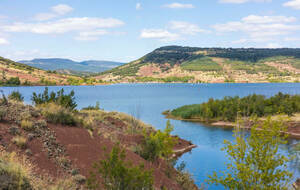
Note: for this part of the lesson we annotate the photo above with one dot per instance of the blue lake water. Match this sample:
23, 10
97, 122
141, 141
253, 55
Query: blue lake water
148, 101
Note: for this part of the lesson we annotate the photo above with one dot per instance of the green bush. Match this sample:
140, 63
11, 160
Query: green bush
118, 174
15, 95
158, 144
96, 107
59, 98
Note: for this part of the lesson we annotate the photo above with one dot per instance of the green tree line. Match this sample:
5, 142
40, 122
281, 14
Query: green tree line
228, 108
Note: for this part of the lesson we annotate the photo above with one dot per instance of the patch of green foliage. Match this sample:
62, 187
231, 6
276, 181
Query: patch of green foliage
13, 81
255, 162
130, 69
201, 64
117, 174
251, 67
228, 108
16, 95
96, 107
59, 98
158, 144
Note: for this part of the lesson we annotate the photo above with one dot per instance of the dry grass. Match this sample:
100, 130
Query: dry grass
20, 141
27, 125
15, 171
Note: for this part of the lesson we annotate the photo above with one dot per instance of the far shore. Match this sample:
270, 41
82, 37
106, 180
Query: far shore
293, 124
106, 84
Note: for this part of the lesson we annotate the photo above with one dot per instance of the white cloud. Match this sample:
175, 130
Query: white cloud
90, 35
161, 34
138, 6
186, 28
3, 41
260, 28
64, 25
295, 4
244, 1
179, 6
255, 19
56, 11
62, 9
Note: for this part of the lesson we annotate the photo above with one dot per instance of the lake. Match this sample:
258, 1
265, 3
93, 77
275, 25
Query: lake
148, 101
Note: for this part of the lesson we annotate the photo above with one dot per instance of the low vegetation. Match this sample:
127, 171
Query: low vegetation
229, 108
158, 144
17, 96
58, 114
255, 162
59, 98
119, 174
201, 64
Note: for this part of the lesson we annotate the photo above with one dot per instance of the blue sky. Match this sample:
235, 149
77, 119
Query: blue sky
124, 30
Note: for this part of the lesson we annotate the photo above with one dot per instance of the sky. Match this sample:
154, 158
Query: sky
125, 30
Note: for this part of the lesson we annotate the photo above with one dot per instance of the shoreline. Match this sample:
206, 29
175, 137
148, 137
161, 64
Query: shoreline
291, 125
107, 84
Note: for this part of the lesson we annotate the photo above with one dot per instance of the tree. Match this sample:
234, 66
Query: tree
118, 174
255, 162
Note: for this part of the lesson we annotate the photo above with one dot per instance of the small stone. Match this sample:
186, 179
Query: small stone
31, 136
28, 152
14, 130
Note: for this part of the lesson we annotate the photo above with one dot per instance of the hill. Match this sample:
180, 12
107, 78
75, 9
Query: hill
72, 67
212, 65
51, 146
15, 74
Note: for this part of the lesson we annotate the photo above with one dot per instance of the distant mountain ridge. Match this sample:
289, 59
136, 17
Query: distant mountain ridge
68, 65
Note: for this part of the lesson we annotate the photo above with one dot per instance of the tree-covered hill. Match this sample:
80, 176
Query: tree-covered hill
212, 65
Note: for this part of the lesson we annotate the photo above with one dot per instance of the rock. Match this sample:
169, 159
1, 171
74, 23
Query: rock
14, 130
31, 136
28, 152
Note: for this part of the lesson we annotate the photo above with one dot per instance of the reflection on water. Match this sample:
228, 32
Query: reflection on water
148, 101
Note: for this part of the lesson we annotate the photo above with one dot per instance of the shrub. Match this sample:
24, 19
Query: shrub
118, 174
59, 98
58, 115
27, 125
96, 107
14, 173
158, 144
17, 96
19, 141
